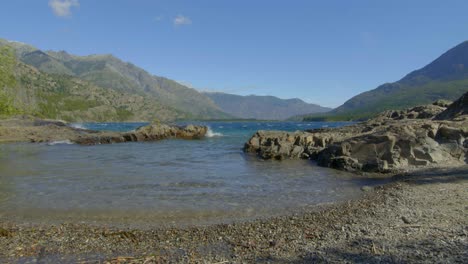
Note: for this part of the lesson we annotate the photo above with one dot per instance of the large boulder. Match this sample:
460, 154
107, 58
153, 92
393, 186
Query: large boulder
397, 146
458, 109
391, 142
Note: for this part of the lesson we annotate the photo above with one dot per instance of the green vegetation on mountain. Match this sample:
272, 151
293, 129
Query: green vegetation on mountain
110, 72
444, 78
263, 107
64, 97
92, 88
104, 88
7, 81
25, 90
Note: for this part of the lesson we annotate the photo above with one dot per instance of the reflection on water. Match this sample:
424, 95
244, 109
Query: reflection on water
171, 181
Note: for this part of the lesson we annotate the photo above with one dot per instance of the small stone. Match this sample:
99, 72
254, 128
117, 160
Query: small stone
367, 188
406, 220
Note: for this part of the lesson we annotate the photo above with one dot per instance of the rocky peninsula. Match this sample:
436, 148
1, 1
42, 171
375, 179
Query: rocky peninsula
47, 131
394, 141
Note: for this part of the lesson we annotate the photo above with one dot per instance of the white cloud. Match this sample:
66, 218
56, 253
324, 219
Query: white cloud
182, 20
62, 8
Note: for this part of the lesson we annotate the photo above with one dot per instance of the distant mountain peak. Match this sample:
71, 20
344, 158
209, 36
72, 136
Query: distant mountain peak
453, 64
444, 78
264, 107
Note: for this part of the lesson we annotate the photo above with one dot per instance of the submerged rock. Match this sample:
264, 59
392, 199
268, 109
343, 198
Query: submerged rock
393, 141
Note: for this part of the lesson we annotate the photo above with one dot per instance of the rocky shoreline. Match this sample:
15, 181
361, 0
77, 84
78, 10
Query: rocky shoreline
419, 218
46, 131
395, 141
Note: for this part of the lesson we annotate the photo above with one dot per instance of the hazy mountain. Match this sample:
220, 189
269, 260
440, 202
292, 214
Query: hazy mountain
263, 107
444, 78
109, 72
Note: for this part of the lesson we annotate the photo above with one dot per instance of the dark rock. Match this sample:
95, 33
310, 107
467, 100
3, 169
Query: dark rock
406, 220
443, 103
45, 122
457, 109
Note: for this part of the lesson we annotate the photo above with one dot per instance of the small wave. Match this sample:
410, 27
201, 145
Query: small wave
60, 142
210, 133
78, 126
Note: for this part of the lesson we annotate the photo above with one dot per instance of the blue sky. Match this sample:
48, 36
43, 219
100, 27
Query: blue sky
320, 51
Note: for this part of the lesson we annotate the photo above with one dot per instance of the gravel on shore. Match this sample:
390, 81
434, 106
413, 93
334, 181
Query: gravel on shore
418, 218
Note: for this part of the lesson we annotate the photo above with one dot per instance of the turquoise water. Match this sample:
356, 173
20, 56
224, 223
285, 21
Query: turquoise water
165, 182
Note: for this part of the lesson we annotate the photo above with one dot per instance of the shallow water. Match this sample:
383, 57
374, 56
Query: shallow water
163, 183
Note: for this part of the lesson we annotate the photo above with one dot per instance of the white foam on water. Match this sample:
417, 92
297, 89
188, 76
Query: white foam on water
78, 126
210, 133
60, 142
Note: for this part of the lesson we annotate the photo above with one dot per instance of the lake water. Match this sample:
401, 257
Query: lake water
163, 183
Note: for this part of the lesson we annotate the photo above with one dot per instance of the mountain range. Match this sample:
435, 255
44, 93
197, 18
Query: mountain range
104, 88
60, 85
444, 78
114, 75
263, 107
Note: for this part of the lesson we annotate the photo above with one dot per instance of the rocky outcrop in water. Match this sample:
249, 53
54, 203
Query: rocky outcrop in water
146, 133
36, 130
393, 141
